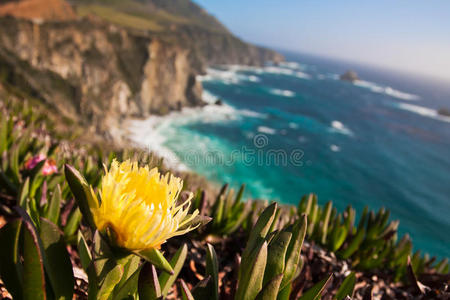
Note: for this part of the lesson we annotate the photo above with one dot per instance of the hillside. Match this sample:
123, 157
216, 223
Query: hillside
161, 14
38, 9
117, 59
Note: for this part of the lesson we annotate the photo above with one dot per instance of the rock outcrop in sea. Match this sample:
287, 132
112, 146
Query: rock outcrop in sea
349, 76
444, 112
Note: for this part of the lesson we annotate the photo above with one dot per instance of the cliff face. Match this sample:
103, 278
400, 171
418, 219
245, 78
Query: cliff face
97, 72
216, 48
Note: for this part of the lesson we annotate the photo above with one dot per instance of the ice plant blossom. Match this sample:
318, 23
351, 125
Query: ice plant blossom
32, 162
49, 166
140, 206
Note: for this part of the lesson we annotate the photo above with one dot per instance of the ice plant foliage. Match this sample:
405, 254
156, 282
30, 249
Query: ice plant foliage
140, 206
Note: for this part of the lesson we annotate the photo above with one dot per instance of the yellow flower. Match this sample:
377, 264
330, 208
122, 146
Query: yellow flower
140, 206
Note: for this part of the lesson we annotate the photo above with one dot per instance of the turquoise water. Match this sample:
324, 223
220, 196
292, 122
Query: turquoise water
296, 128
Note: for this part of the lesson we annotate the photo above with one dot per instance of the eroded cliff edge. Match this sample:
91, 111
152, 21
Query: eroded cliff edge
99, 74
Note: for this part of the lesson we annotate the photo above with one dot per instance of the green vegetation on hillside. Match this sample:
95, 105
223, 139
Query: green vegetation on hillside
120, 18
152, 15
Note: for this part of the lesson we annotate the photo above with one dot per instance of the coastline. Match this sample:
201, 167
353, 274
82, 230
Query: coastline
234, 123
147, 133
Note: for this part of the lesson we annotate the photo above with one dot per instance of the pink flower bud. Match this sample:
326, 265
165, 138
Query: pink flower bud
31, 163
49, 167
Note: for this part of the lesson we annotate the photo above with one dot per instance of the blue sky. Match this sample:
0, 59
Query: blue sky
408, 35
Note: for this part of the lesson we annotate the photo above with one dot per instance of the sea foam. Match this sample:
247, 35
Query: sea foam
228, 75
285, 71
335, 148
284, 93
387, 90
267, 130
233, 74
152, 132
423, 111
337, 126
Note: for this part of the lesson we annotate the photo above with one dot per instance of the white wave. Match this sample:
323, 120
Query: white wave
268, 130
330, 76
333, 76
278, 70
400, 95
302, 75
251, 113
285, 71
290, 64
387, 90
253, 78
337, 126
423, 111
284, 93
335, 148
232, 74
293, 125
149, 134
228, 75
152, 133
209, 97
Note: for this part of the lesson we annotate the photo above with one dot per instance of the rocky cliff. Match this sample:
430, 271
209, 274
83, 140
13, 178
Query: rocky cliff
98, 73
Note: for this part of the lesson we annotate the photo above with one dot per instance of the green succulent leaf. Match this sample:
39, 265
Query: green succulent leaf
72, 223
261, 229
315, 292
293, 258
3, 133
354, 244
212, 269
270, 290
185, 292
156, 258
326, 220
148, 284
83, 193
239, 194
165, 279
58, 265
83, 251
252, 273
276, 256
285, 293
347, 287
34, 286
129, 287
24, 193
10, 266
54, 207
109, 283
197, 221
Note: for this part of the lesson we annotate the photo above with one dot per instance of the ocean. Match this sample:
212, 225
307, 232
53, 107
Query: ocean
295, 128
